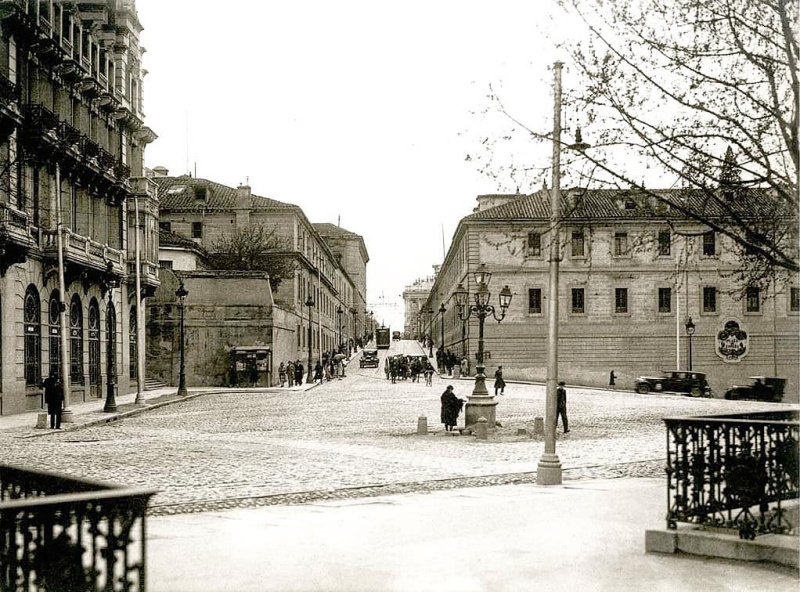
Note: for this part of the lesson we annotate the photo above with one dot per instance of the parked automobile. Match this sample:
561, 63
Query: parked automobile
396, 336
677, 381
369, 358
761, 388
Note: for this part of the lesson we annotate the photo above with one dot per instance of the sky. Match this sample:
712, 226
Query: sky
363, 113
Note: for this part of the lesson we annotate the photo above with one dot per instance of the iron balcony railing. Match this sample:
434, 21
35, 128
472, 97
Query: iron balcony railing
9, 91
62, 533
733, 471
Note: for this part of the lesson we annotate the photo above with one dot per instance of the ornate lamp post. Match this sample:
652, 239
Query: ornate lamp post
111, 351
182, 293
354, 312
481, 403
310, 305
690, 327
429, 330
339, 312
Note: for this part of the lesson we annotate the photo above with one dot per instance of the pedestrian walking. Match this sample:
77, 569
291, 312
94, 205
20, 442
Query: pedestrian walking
290, 373
451, 407
561, 406
612, 379
54, 398
428, 375
282, 374
499, 383
387, 367
299, 372
464, 367
318, 372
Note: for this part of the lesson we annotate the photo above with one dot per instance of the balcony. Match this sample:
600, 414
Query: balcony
148, 278
15, 240
143, 186
85, 253
10, 116
65, 533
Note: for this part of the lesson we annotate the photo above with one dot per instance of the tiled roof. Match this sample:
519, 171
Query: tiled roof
177, 194
611, 204
327, 229
170, 239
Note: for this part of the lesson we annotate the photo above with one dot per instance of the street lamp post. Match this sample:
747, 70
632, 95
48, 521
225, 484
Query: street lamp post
111, 386
182, 293
310, 305
354, 312
429, 330
690, 327
481, 403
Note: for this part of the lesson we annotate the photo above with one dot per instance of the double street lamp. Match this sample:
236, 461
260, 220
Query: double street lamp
690, 327
442, 310
111, 350
481, 403
310, 305
182, 293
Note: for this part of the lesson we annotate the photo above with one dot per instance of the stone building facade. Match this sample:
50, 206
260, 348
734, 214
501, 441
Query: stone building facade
630, 276
415, 296
204, 211
72, 139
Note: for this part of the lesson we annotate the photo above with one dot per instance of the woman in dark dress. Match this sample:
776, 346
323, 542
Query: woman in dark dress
451, 407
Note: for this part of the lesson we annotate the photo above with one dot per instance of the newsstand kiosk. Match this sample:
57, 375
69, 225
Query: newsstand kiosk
251, 365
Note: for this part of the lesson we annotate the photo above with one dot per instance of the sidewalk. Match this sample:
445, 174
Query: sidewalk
85, 414
586, 535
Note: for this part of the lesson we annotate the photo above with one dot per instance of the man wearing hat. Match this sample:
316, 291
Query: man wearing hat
561, 406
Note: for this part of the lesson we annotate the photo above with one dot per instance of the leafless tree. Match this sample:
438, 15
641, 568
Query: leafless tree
255, 248
704, 93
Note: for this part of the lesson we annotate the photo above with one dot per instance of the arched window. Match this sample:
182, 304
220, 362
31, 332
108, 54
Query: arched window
134, 358
111, 339
76, 341
54, 333
33, 331
94, 342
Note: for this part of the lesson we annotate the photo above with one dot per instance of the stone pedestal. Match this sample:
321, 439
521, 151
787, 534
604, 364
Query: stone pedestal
422, 426
548, 472
480, 406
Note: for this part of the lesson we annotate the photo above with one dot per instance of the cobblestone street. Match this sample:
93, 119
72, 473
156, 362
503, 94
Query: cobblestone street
353, 437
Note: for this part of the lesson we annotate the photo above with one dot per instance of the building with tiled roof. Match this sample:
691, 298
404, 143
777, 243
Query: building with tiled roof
332, 274
179, 253
633, 270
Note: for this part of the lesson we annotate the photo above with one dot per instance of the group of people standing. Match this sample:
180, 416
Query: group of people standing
331, 366
405, 367
450, 362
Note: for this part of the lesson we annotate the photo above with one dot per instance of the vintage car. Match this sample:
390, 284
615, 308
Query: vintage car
762, 388
677, 381
369, 358
396, 336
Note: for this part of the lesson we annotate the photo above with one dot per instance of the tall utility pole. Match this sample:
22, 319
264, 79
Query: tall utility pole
549, 470
140, 400
66, 414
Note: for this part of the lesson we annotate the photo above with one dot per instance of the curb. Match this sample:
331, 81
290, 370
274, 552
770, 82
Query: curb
116, 416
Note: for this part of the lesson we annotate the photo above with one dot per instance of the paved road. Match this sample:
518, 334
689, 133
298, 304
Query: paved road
352, 437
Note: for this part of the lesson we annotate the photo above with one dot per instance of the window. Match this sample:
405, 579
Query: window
577, 301
76, 341
534, 301
94, 342
709, 299
534, 244
54, 333
664, 243
665, 300
164, 264
33, 344
709, 244
197, 230
794, 299
165, 226
111, 338
200, 193
620, 244
578, 243
620, 300
752, 299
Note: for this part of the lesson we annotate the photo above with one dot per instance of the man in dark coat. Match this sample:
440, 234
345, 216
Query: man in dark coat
54, 398
561, 406
499, 383
299, 372
451, 407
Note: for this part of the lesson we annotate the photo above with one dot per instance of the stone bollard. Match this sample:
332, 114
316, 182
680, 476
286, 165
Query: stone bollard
41, 421
422, 426
481, 429
538, 426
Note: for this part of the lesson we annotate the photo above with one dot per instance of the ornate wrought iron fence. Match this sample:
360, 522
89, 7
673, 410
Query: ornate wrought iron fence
733, 471
60, 533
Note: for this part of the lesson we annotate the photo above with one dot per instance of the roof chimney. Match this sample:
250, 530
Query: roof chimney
244, 204
160, 171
